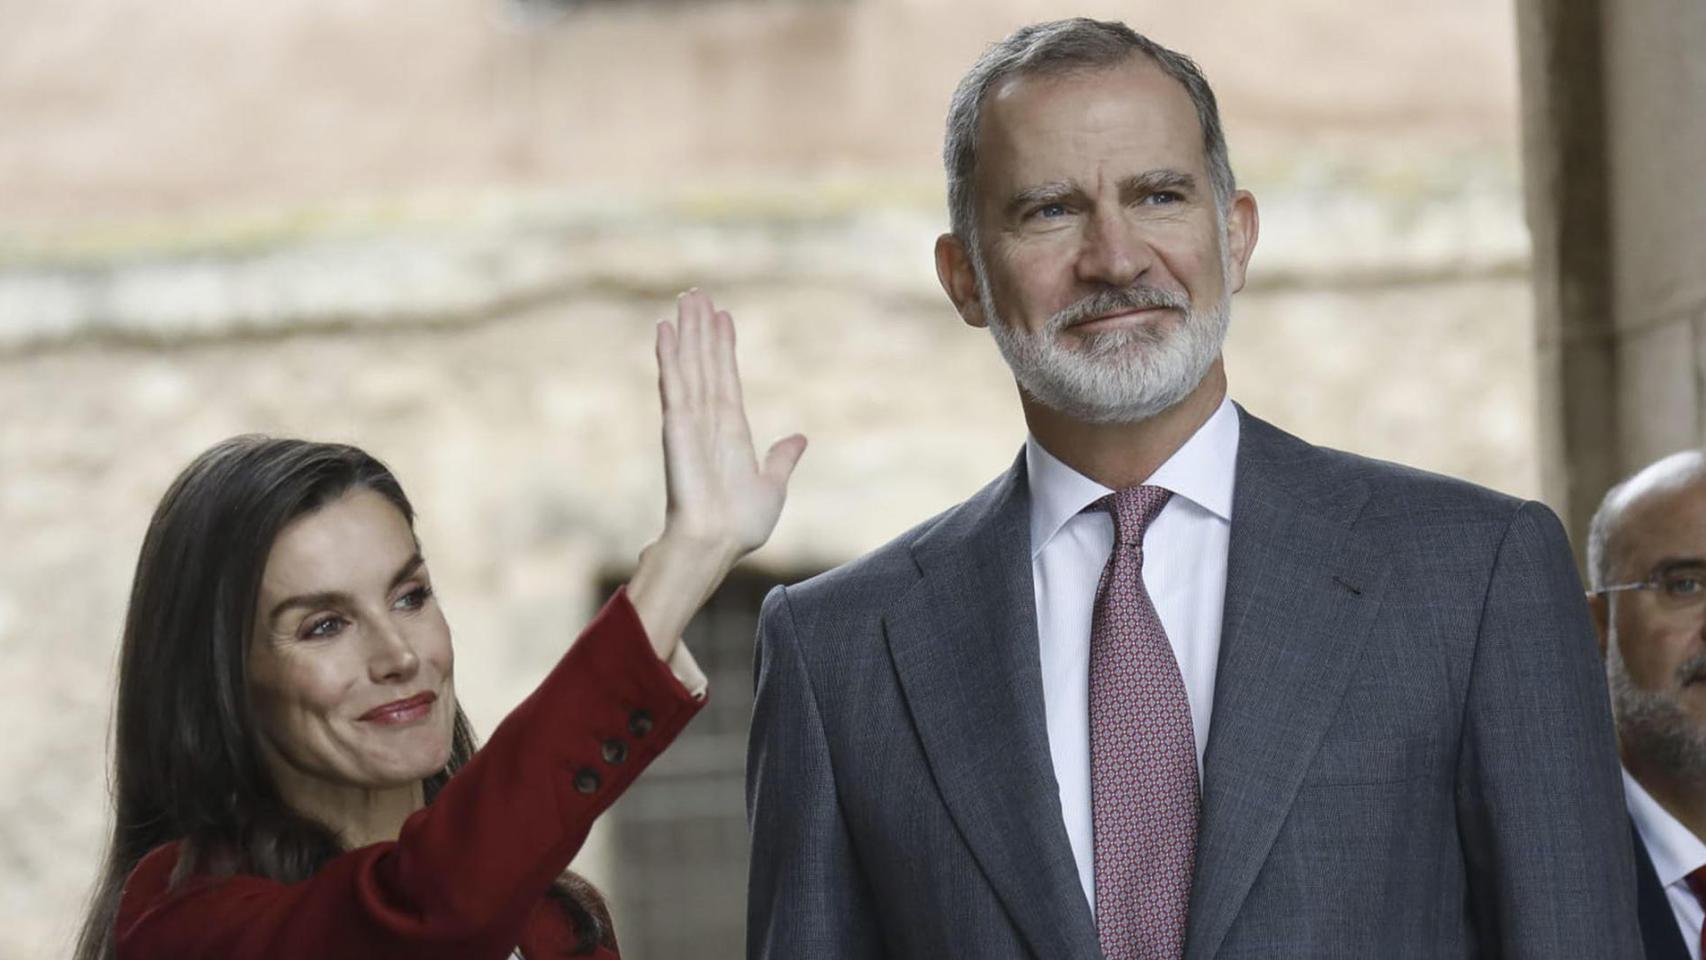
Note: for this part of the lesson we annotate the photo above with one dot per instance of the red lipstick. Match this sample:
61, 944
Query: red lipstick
401, 711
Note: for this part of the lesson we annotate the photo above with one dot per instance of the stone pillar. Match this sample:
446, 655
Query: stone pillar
1615, 166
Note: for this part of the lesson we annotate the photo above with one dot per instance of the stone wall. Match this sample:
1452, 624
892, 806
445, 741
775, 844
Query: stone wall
1614, 143
226, 115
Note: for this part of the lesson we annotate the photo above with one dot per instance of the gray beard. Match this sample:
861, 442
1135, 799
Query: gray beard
1656, 726
1122, 376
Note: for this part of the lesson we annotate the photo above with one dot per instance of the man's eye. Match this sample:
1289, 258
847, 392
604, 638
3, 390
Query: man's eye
414, 599
1049, 211
1683, 585
325, 627
1163, 197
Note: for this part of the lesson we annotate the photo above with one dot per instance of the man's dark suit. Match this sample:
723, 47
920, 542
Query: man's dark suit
1659, 930
1410, 754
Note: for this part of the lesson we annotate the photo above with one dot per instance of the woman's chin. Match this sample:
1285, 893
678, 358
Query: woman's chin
409, 765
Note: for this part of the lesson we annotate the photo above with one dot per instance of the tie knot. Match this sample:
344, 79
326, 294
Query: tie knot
1133, 509
1697, 883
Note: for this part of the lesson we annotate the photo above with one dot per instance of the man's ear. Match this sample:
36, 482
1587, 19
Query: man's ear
959, 280
1243, 224
1599, 607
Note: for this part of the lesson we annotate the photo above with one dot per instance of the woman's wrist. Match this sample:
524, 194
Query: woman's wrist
676, 575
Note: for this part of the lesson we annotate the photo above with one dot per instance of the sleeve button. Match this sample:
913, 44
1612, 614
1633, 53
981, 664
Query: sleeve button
586, 780
615, 751
640, 723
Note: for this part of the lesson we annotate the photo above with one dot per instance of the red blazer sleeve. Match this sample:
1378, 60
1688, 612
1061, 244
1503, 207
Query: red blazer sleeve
465, 873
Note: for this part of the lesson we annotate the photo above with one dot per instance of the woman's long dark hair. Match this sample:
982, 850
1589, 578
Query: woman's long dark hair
185, 762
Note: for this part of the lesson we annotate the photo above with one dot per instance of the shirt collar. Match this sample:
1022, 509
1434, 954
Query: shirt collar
1200, 471
1675, 850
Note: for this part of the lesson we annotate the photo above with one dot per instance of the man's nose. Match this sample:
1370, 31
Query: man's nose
391, 653
1114, 252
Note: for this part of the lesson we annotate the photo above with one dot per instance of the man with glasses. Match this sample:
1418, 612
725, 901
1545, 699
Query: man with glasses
1647, 567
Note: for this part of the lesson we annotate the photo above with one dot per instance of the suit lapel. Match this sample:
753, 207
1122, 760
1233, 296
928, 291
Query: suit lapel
1302, 589
964, 643
1660, 933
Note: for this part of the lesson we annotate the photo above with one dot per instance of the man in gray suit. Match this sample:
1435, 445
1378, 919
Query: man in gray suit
1177, 684
1647, 567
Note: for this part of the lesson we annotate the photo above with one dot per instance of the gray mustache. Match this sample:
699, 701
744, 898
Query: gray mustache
1103, 302
1693, 670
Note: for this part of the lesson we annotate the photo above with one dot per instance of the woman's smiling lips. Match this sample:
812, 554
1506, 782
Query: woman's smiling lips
401, 711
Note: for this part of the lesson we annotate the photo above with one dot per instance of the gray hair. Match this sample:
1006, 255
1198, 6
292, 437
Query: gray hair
1058, 47
1685, 466
1599, 534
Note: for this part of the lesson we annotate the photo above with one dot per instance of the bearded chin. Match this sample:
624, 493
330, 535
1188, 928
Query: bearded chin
1123, 376
1657, 727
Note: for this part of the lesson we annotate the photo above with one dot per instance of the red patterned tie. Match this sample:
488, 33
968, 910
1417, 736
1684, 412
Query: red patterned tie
1697, 883
1143, 754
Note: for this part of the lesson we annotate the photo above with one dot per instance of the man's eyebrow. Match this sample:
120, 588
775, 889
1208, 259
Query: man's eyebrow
1147, 182
1053, 191
1670, 565
1151, 181
332, 598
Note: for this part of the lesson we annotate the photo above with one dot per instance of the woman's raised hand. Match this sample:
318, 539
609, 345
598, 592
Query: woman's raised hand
720, 495
723, 502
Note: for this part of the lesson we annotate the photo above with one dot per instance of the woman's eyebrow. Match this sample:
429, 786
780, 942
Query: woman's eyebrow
332, 598
409, 568
324, 598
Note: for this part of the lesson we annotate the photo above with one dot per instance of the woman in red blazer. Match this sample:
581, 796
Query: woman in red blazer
293, 777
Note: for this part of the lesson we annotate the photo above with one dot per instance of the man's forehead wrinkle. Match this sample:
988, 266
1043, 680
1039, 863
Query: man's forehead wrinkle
1080, 128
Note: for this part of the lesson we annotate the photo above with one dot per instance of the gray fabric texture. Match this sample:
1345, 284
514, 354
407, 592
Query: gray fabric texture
1411, 753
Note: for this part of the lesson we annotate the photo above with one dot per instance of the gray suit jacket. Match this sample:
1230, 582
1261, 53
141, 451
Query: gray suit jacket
1411, 753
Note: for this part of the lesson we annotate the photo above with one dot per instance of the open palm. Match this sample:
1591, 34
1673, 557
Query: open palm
719, 491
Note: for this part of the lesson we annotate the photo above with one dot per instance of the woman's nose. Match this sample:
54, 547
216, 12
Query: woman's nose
393, 655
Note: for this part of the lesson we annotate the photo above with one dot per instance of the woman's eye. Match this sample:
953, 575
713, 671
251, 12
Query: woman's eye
414, 599
325, 627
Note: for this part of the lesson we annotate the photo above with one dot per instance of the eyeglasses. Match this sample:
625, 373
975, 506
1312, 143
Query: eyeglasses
1674, 588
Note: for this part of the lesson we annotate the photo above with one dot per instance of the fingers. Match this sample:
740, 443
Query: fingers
717, 489
727, 368
669, 366
706, 354
706, 363
691, 310
782, 457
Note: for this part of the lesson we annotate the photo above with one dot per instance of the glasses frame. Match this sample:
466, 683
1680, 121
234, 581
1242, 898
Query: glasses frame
1655, 582
1651, 583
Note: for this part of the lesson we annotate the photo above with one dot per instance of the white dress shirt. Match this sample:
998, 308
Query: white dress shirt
1676, 852
1184, 570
